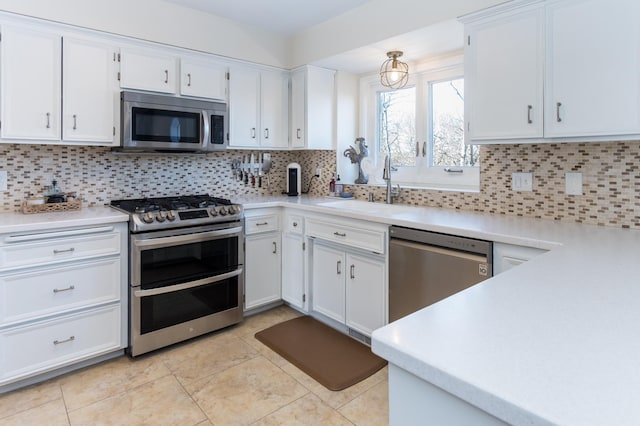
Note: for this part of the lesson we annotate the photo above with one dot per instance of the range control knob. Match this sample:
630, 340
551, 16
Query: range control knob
214, 212
223, 211
231, 210
160, 217
147, 217
171, 216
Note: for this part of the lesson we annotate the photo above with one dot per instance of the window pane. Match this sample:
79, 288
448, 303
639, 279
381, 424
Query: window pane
397, 125
447, 108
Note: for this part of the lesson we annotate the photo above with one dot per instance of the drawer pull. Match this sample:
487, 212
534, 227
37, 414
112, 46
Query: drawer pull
295, 224
69, 250
60, 290
59, 342
262, 223
337, 234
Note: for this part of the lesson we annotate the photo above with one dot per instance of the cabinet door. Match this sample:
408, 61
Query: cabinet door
148, 70
274, 109
262, 269
298, 102
293, 269
320, 108
203, 80
507, 256
31, 80
89, 92
365, 293
593, 68
328, 280
244, 92
504, 76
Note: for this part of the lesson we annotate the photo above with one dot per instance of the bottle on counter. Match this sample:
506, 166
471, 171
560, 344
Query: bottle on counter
332, 185
338, 186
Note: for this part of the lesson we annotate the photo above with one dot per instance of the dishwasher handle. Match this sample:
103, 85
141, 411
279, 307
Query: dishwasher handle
440, 250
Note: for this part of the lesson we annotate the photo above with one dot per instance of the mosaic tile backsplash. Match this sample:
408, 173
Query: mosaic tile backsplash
611, 178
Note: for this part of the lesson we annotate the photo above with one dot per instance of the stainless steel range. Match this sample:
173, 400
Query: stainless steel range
186, 271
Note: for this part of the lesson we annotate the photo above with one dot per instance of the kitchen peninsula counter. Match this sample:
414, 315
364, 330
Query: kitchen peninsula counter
553, 341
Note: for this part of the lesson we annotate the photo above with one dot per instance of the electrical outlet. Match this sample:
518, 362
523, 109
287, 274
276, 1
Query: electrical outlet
522, 182
573, 183
318, 172
3, 180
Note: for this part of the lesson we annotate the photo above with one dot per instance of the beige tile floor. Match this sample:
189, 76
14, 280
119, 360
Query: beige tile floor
225, 378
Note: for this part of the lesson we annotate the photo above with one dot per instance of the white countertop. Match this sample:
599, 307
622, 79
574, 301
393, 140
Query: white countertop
89, 216
553, 341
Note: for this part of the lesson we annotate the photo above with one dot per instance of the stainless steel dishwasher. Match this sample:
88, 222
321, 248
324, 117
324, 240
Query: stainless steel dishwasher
425, 267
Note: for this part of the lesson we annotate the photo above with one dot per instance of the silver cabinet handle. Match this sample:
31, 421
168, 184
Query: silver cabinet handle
424, 149
298, 134
266, 133
189, 79
262, 223
352, 271
59, 342
558, 105
338, 234
48, 120
451, 170
275, 247
166, 76
417, 149
75, 122
295, 224
339, 267
253, 133
529, 108
69, 250
61, 290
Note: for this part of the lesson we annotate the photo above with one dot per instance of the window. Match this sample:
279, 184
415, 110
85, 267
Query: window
421, 128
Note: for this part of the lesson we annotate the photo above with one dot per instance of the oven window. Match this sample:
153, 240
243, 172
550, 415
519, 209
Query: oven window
165, 310
156, 125
162, 267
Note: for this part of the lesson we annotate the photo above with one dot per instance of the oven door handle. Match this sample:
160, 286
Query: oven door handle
188, 238
185, 286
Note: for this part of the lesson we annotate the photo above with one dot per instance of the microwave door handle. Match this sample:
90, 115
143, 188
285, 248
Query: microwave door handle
206, 129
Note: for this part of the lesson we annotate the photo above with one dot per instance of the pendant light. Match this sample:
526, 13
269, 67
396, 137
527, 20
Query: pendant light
394, 73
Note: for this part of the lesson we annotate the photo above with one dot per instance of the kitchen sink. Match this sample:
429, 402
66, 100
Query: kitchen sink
367, 207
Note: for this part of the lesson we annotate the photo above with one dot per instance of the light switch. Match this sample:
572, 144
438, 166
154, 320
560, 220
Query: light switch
522, 182
573, 182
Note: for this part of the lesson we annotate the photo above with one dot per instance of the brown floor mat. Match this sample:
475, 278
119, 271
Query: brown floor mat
333, 359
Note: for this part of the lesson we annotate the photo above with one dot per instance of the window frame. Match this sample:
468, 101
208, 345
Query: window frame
423, 175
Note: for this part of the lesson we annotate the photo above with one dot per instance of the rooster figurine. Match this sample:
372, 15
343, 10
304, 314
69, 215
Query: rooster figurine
356, 157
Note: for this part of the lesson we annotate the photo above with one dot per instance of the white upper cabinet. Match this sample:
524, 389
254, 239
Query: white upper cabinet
557, 70
203, 79
504, 73
31, 83
89, 91
593, 68
258, 108
312, 108
150, 70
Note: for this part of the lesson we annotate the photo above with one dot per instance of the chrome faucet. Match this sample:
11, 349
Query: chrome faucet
386, 175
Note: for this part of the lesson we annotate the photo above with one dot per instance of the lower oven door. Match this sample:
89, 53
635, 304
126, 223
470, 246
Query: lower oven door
184, 285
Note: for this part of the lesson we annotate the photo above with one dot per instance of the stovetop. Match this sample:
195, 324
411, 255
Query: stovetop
149, 214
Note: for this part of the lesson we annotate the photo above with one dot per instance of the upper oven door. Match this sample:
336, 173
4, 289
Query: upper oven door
165, 259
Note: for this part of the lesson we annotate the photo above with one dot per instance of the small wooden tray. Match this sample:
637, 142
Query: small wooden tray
28, 208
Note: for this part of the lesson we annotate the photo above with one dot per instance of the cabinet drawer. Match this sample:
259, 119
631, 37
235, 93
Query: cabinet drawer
54, 247
294, 224
362, 238
30, 350
263, 223
34, 294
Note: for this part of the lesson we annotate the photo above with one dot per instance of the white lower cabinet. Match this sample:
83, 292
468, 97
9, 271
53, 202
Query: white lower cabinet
62, 300
262, 258
349, 284
293, 262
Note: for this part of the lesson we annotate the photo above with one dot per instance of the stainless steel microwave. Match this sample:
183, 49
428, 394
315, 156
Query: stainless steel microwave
163, 123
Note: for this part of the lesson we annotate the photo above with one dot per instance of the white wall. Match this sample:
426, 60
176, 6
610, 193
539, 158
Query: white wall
373, 22
347, 113
162, 22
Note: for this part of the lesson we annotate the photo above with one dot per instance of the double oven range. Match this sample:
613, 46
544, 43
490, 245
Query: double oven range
185, 268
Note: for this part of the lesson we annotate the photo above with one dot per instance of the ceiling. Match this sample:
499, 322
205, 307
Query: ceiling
281, 16
291, 16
